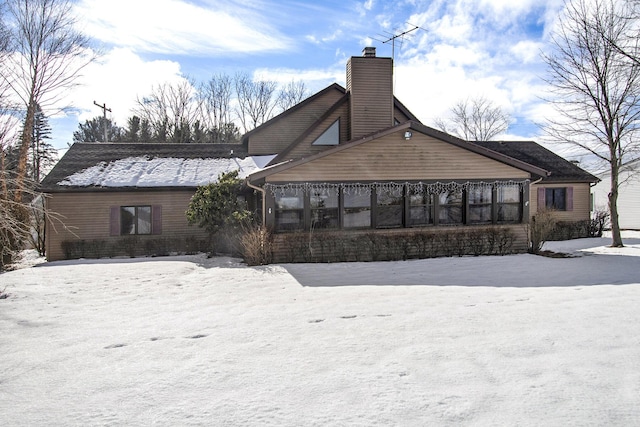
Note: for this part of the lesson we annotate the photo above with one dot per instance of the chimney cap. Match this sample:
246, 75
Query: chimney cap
369, 52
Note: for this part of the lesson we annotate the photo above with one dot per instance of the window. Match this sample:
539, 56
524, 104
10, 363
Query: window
324, 209
390, 207
289, 210
480, 206
509, 206
135, 220
450, 207
331, 136
556, 198
421, 208
357, 210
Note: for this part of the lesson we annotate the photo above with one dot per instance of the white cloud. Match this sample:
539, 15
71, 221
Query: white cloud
179, 27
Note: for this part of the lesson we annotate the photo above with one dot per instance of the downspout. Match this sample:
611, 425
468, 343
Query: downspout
264, 203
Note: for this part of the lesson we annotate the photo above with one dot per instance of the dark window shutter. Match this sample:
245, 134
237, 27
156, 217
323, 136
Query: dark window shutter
114, 221
569, 198
156, 212
541, 198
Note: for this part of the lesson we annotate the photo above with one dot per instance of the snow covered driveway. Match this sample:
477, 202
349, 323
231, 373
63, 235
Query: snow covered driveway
517, 340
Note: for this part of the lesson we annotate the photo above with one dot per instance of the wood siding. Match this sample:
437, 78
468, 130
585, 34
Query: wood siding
86, 216
400, 116
370, 82
581, 201
274, 138
306, 148
393, 158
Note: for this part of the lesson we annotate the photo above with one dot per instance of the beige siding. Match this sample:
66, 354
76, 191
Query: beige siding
86, 216
370, 81
393, 158
306, 148
581, 201
400, 116
274, 138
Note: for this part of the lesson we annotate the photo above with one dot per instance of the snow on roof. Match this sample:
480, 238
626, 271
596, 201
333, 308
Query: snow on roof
163, 171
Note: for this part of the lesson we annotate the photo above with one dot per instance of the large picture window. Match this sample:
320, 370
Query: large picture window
135, 220
357, 210
390, 207
450, 204
324, 209
480, 206
289, 210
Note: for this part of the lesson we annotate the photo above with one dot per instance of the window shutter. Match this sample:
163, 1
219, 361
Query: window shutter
156, 213
541, 198
114, 221
569, 198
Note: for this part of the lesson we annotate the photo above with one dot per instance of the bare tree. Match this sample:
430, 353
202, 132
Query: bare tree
46, 56
291, 94
255, 100
171, 110
216, 105
475, 119
596, 88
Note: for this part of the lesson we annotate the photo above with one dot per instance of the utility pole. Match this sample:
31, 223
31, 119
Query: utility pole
104, 122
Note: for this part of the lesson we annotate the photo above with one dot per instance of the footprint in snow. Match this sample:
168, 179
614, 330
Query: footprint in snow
114, 346
198, 336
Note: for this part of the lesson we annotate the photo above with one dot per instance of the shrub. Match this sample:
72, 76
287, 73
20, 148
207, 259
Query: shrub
256, 245
599, 222
217, 207
540, 229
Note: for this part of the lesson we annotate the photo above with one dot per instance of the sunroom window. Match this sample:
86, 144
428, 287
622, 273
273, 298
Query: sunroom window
480, 204
357, 210
421, 207
324, 209
509, 204
289, 210
390, 207
450, 205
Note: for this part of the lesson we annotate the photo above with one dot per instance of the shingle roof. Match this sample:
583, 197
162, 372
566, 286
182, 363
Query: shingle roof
561, 170
81, 156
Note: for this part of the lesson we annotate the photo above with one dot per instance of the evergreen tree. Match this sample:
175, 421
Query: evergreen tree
43, 154
93, 131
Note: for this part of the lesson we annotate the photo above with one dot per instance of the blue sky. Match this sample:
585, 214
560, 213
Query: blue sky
463, 48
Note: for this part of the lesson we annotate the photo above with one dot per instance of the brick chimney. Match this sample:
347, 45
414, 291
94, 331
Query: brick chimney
370, 83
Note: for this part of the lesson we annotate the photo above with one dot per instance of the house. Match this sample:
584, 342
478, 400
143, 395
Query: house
355, 162
347, 174
120, 198
628, 195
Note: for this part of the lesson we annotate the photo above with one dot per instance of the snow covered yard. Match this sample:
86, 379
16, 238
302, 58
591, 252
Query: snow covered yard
517, 340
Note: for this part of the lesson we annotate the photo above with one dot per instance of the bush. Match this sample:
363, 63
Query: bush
541, 229
256, 245
341, 246
599, 222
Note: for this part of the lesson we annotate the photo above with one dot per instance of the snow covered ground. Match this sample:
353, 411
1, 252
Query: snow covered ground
517, 340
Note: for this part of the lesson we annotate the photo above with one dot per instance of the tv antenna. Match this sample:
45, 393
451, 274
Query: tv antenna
392, 39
